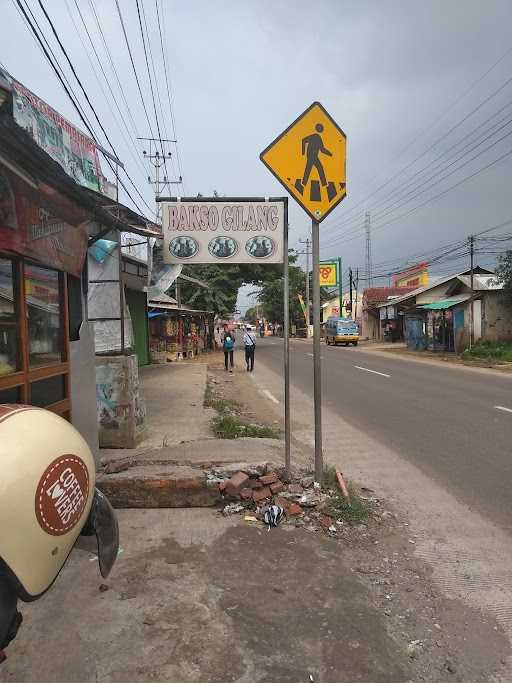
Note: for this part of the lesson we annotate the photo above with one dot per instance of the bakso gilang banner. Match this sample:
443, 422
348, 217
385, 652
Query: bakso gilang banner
223, 232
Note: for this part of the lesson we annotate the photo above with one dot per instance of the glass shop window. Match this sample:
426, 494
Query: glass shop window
43, 301
9, 354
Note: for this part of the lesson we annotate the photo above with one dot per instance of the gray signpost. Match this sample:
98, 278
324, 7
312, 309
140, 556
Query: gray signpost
309, 159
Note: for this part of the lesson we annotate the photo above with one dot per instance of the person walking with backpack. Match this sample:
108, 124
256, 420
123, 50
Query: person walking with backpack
228, 346
250, 348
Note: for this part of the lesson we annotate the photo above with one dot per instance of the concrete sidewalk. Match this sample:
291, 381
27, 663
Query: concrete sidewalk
199, 598
170, 468
174, 396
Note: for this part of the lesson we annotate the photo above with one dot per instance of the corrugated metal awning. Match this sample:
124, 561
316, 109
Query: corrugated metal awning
445, 303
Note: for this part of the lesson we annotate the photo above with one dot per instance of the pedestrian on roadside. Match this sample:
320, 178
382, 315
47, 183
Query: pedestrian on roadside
250, 348
228, 346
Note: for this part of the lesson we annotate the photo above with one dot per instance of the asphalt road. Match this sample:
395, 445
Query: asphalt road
441, 418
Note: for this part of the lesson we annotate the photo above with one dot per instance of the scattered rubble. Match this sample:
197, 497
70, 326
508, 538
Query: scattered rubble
255, 488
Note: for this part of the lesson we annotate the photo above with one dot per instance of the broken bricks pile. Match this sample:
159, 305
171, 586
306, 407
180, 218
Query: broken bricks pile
257, 488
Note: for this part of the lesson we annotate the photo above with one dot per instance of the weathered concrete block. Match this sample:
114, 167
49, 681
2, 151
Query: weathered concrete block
155, 486
120, 407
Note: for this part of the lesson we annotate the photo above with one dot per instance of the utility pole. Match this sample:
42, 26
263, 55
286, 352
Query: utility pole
350, 284
471, 308
367, 229
307, 242
357, 285
158, 159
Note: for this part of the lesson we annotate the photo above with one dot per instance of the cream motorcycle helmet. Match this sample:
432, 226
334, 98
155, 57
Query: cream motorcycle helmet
47, 499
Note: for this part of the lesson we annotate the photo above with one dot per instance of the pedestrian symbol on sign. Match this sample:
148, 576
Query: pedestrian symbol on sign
308, 158
312, 145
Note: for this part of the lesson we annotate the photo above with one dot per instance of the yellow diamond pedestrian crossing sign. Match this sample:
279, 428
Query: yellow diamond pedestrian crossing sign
309, 159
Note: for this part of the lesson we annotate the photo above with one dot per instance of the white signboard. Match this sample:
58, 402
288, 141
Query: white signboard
227, 231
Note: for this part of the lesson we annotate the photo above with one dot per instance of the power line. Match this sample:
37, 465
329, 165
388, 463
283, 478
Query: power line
109, 57
431, 199
72, 98
421, 185
107, 99
157, 89
133, 66
149, 76
168, 84
423, 188
398, 196
73, 71
448, 252
450, 106
436, 142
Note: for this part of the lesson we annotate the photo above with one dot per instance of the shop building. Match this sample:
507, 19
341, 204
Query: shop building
46, 343
51, 211
439, 317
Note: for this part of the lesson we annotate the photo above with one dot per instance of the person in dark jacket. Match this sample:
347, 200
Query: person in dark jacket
228, 346
250, 348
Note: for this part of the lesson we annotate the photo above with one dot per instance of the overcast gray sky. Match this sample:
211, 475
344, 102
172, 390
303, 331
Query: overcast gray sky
243, 70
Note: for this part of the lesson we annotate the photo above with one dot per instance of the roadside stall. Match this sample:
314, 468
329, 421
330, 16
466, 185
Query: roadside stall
177, 332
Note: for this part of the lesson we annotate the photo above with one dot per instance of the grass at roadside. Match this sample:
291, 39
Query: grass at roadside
228, 424
221, 405
490, 351
231, 427
354, 512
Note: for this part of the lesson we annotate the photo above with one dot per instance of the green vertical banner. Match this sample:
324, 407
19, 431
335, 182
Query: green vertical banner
303, 306
340, 280
331, 276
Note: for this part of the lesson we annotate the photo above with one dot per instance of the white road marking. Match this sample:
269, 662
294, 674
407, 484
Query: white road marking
269, 395
374, 372
309, 354
506, 410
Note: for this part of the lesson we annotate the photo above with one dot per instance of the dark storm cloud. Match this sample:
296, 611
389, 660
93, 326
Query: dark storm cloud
242, 71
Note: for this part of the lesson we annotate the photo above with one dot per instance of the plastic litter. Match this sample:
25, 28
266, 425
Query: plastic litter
232, 509
273, 515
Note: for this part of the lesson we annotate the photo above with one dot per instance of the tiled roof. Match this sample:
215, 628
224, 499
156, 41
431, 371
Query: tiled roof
377, 295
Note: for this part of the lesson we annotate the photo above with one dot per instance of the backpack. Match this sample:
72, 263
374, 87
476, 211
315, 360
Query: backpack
228, 343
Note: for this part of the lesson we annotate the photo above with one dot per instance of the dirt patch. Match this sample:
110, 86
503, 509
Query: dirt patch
342, 610
241, 410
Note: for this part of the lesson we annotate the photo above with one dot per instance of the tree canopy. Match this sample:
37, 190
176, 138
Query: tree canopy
504, 274
225, 280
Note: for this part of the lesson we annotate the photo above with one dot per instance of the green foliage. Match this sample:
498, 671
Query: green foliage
224, 282
271, 294
221, 405
354, 512
251, 315
231, 427
504, 274
490, 351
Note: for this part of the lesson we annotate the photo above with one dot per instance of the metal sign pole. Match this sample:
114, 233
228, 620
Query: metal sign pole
286, 316
317, 378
